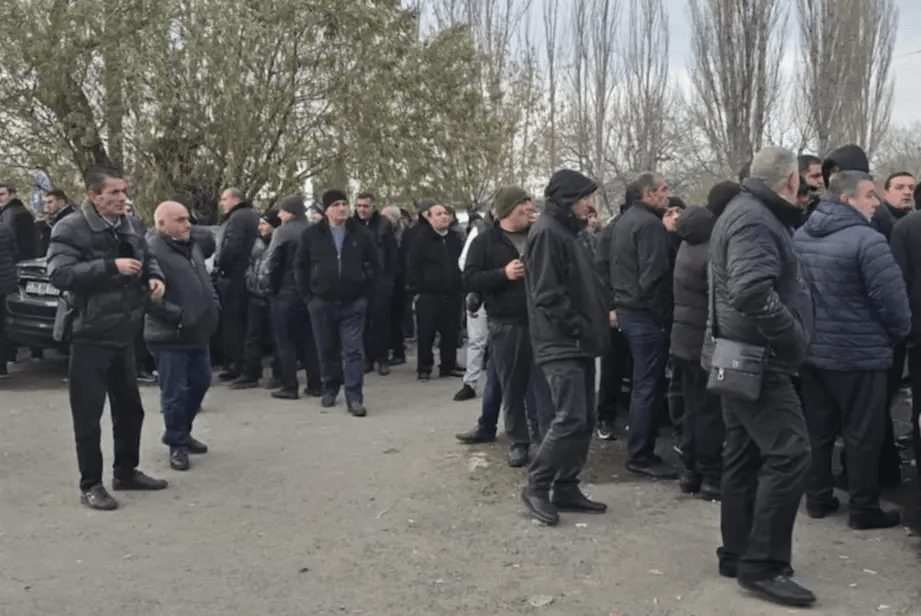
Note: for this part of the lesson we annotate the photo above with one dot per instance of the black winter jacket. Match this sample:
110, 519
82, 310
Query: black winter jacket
484, 273
43, 229
109, 306
278, 270
9, 274
886, 217
241, 228
567, 301
640, 265
761, 298
323, 273
692, 300
906, 248
388, 252
187, 315
432, 261
20, 221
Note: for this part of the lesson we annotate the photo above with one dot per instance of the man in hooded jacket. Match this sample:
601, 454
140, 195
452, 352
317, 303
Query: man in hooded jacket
19, 220
567, 317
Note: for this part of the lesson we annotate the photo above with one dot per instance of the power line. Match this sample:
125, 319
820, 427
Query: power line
910, 53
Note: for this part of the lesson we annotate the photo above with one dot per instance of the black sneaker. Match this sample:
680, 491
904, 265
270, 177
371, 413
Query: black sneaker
97, 498
518, 456
605, 431
466, 393
689, 482
357, 409
138, 481
868, 520
179, 458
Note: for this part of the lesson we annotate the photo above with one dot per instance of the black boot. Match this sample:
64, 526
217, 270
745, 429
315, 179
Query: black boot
867, 520
538, 503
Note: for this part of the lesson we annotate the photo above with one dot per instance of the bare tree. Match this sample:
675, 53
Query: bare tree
551, 21
737, 47
847, 91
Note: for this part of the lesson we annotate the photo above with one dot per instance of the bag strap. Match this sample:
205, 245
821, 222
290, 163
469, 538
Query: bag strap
712, 292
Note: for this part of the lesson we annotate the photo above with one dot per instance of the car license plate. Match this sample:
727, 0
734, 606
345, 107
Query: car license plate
41, 288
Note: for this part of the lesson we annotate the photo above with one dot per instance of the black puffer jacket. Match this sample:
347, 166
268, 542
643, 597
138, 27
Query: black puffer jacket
906, 248
694, 227
241, 228
81, 259
187, 315
9, 275
20, 221
640, 265
567, 302
761, 298
388, 252
432, 261
278, 270
484, 273
321, 272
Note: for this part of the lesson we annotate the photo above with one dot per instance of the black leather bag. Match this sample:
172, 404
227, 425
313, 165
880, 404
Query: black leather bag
736, 368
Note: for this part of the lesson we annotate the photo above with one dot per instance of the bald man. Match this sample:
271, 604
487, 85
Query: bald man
178, 329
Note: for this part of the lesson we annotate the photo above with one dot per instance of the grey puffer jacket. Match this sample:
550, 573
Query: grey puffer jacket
689, 324
761, 297
109, 306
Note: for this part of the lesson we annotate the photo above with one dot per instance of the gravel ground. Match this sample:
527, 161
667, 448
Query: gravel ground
300, 511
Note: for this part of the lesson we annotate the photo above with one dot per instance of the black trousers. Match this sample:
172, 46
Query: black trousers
233, 322
890, 463
259, 336
851, 404
702, 423
564, 450
765, 467
94, 372
914, 368
377, 327
616, 367
438, 314
397, 319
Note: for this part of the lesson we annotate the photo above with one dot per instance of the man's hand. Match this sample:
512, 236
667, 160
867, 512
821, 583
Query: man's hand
128, 267
613, 317
514, 270
157, 288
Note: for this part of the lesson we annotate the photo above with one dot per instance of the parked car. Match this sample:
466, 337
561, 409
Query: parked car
30, 312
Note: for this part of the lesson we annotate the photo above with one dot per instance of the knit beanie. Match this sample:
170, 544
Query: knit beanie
271, 217
426, 203
720, 196
333, 196
293, 204
847, 158
507, 199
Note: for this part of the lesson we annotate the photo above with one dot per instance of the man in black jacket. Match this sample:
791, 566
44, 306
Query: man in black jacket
240, 230
9, 284
17, 218
101, 260
178, 329
290, 318
433, 274
377, 325
567, 318
57, 206
898, 201
761, 300
337, 268
640, 271
495, 269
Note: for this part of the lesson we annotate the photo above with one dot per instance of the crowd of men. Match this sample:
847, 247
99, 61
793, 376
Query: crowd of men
809, 280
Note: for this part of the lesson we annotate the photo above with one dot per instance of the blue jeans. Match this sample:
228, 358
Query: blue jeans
339, 330
492, 402
184, 379
647, 347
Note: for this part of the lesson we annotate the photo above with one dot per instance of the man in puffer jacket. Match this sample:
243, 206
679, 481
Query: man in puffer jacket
761, 300
568, 319
861, 314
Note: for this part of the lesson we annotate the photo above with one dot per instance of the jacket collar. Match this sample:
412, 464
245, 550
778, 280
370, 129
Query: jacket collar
639, 205
64, 211
564, 215
786, 212
99, 225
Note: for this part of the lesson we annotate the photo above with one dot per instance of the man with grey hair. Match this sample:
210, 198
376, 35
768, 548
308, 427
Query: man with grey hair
861, 312
759, 299
640, 277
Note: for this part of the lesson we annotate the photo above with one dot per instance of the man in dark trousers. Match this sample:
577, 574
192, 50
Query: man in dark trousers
17, 218
290, 318
377, 326
861, 312
337, 270
641, 280
761, 300
101, 260
433, 274
567, 319
495, 269
178, 329
239, 233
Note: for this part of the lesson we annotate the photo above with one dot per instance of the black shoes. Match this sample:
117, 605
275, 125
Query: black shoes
313, 392
711, 491
655, 470
146, 377
138, 481
357, 409
97, 498
466, 393
244, 383
194, 446
577, 502
780, 589
689, 482
383, 368
285, 394
820, 509
453, 372
605, 431
474, 437
329, 399
538, 503
518, 456
867, 520
179, 458
424, 376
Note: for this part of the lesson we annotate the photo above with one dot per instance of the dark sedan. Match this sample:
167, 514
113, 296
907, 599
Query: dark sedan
30, 312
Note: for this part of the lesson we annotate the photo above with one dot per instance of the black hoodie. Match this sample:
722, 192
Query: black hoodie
694, 227
567, 303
